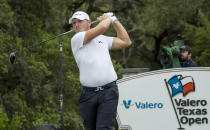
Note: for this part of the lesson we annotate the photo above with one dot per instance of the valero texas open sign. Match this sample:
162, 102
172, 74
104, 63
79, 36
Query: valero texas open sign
170, 99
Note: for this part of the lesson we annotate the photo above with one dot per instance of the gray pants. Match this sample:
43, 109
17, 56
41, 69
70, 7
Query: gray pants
98, 109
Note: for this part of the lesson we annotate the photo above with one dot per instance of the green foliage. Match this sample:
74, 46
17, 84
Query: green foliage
198, 37
16, 122
117, 66
3, 119
73, 121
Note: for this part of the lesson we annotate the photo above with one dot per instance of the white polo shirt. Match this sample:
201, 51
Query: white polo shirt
93, 60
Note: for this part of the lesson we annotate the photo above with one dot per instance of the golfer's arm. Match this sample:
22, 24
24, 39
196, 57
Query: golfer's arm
99, 29
122, 40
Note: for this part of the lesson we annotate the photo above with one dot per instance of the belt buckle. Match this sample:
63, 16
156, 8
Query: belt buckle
98, 89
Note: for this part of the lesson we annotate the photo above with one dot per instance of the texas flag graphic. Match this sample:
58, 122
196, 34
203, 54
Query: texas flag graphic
181, 84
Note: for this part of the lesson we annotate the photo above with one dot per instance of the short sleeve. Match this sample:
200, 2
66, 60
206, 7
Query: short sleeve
109, 41
77, 41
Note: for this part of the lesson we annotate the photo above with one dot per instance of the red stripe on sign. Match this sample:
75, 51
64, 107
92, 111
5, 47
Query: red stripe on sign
189, 87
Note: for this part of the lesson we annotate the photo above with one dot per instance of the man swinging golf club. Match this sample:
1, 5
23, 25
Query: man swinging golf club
99, 96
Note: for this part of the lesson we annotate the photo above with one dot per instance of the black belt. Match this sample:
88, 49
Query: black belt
100, 88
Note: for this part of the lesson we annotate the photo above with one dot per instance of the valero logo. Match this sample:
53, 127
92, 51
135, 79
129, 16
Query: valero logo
188, 111
127, 104
141, 105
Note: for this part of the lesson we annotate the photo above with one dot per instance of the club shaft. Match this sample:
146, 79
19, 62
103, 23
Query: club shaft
51, 38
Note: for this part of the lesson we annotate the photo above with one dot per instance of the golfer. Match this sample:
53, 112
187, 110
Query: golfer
99, 96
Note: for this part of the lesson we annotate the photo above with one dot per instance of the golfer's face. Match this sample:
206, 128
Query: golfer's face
80, 25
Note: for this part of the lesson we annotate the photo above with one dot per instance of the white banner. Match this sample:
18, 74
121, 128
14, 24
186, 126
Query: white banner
170, 99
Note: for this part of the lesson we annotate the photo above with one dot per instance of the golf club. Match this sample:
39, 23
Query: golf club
13, 54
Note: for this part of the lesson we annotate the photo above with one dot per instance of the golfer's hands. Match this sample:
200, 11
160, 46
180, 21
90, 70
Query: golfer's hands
103, 17
111, 15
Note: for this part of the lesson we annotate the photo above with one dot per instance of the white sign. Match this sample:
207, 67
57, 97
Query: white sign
170, 99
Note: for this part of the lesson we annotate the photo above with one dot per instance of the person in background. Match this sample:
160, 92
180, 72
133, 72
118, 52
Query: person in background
186, 57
